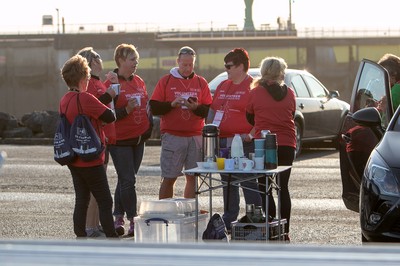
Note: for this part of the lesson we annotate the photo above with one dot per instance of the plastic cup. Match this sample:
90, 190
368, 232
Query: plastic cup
221, 163
259, 163
116, 88
259, 152
229, 164
259, 143
137, 99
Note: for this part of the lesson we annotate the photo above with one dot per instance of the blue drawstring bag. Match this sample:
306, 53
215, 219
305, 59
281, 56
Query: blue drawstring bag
63, 153
84, 140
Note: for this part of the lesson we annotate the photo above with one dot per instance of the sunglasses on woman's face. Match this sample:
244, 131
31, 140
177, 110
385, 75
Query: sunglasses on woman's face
186, 51
228, 66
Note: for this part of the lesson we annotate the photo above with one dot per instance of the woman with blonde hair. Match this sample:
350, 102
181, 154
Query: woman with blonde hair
105, 95
271, 106
133, 127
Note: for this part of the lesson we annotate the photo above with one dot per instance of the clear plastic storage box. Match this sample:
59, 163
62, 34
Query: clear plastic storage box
161, 209
169, 230
188, 205
168, 220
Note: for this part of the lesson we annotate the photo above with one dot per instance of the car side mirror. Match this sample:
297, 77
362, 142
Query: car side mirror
368, 117
333, 94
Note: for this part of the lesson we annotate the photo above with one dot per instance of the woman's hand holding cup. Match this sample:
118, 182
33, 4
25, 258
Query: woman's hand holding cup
112, 77
131, 105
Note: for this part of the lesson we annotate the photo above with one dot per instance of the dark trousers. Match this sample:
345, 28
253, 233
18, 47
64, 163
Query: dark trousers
285, 157
231, 196
127, 160
93, 180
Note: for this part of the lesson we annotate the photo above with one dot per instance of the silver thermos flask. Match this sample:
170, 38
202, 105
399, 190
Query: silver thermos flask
210, 147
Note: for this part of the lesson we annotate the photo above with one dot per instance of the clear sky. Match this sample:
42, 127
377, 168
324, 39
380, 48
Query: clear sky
341, 14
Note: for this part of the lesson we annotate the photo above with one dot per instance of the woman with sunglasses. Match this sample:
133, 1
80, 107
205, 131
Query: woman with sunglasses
228, 112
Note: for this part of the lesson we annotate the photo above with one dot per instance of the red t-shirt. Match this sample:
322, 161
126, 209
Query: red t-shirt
137, 121
362, 139
179, 121
92, 108
276, 116
232, 100
98, 88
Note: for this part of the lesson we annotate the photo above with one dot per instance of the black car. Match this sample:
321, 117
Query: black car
370, 156
319, 113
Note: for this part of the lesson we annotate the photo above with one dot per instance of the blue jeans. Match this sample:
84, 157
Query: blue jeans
127, 160
232, 204
93, 180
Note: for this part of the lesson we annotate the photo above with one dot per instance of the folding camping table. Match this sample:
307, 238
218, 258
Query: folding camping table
205, 178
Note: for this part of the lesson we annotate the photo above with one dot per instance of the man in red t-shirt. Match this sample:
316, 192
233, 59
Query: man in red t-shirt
182, 99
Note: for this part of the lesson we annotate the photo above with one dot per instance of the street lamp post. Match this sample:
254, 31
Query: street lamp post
58, 21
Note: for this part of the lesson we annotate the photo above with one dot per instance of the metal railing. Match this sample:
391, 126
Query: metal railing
201, 30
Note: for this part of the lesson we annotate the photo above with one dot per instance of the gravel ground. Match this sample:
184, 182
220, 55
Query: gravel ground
37, 197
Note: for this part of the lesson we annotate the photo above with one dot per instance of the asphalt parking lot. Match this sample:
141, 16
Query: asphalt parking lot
37, 197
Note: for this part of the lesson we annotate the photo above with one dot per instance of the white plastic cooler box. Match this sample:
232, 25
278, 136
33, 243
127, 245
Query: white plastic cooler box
168, 220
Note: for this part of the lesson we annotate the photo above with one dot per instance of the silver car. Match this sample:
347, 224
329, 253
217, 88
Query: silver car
319, 113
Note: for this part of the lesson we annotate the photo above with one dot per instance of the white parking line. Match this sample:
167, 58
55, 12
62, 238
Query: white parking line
309, 204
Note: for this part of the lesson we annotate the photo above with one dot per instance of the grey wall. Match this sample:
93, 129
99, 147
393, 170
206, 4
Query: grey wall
30, 65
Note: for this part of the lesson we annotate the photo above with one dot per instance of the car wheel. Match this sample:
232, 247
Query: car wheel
298, 138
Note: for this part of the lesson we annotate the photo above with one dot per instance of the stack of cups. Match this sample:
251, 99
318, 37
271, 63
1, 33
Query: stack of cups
259, 153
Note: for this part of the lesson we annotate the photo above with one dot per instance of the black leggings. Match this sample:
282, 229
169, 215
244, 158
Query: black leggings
93, 180
285, 157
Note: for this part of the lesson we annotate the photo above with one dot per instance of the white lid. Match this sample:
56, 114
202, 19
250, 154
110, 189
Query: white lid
161, 209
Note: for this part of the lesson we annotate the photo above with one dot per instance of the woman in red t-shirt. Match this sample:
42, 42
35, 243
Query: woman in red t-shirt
105, 95
133, 128
271, 106
88, 177
229, 103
